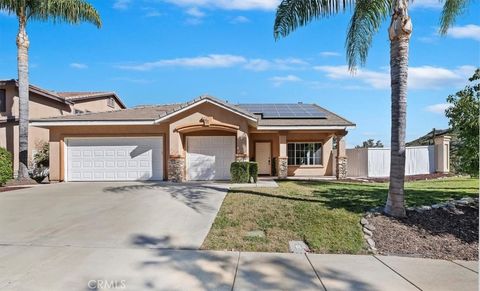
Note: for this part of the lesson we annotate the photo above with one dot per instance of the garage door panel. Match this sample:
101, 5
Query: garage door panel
112, 159
209, 157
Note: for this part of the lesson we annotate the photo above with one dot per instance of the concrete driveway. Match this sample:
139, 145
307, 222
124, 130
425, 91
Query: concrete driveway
110, 215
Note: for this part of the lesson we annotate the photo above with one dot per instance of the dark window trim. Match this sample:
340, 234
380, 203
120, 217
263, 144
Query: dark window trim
3, 100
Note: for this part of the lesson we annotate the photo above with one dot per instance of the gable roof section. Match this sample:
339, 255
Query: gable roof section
40, 91
207, 99
66, 97
81, 96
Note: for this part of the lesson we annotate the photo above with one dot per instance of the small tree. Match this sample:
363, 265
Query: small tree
370, 143
464, 120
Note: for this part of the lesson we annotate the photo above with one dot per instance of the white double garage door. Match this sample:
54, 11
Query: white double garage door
142, 158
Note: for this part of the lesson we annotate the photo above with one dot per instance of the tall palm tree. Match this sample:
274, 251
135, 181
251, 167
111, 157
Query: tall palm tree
366, 19
70, 11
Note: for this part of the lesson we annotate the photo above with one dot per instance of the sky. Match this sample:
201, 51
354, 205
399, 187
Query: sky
169, 51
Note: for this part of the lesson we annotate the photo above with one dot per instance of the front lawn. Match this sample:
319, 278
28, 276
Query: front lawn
323, 214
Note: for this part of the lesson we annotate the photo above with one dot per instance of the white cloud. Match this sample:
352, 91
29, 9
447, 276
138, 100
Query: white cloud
239, 19
279, 80
471, 31
151, 12
121, 4
276, 64
328, 54
438, 108
79, 66
210, 61
378, 80
432, 4
222, 61
229, 4
424, 77
195, 12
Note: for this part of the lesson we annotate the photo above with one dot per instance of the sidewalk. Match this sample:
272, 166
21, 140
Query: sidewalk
73, 268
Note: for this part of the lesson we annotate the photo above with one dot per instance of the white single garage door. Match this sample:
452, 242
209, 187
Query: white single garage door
114, 159
209, 157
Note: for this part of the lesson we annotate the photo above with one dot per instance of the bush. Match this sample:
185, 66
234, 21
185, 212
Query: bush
239, 172
253, 171
42, 157
6, 169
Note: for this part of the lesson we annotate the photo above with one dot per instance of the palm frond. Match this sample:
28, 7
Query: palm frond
10, 6
70, 11
451, 9
292, 14
364, 24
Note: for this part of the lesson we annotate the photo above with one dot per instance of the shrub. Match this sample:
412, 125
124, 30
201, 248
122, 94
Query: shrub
6, 169
239, 172
42, 158
253, 171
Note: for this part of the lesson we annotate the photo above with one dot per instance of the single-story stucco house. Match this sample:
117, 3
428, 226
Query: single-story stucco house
197, 140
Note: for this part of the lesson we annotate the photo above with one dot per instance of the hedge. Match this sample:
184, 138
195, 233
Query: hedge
6, 169
239, 172
244, 172
253, 171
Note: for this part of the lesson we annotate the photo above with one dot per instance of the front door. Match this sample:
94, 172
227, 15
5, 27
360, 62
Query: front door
263, 158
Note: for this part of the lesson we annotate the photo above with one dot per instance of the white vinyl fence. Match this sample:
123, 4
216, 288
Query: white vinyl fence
375, 162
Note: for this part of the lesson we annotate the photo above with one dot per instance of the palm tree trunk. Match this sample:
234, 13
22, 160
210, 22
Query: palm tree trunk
399, 32
23, 92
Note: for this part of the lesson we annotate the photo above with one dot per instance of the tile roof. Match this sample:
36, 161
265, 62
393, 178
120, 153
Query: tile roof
66, 97
155, 112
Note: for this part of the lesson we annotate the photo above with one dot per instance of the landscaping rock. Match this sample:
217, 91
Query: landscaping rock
370, 227
298, 247
468, 199
371, 243
255, 234
367, 232
363, 221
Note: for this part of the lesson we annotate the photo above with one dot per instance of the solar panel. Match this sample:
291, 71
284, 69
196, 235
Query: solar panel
285, 110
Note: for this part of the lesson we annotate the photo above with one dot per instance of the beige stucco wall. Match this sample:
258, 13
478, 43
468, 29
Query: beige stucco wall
96, 105
194, 115
58, 135
326, 138
39, 107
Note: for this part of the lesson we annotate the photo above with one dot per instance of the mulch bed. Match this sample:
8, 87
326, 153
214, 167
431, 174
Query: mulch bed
5, 189
437, 233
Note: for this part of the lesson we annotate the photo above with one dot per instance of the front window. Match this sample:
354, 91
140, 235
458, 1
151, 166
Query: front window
3, 100
300, 154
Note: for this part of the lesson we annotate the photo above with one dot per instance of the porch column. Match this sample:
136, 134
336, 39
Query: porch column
282, 164
341, 171
242, 147
176, 157
442, 154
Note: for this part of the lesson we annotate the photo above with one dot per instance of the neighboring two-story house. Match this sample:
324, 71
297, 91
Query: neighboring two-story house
44, 104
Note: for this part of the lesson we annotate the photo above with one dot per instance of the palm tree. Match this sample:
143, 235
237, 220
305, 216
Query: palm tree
70, 11
366, 19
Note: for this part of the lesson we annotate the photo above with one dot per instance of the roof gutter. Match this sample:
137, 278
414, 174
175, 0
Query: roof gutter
304, 127
90, 123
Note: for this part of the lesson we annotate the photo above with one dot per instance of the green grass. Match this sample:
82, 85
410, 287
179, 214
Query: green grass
323, 214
